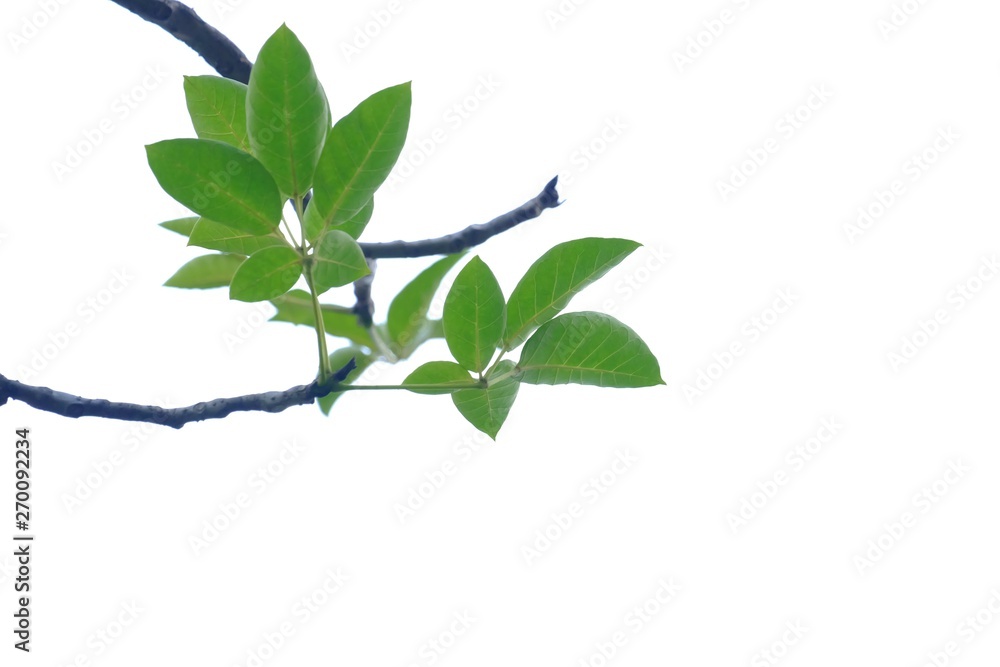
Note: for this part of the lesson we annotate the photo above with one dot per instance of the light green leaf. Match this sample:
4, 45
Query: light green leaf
337, 361
217, 181
550, 283
474, 315
287, 112
206, 272
182, 226
266, 274
487, 409
338, 261
218, 109
439, 377
296, 308
359, 153
408, 310
356, 225
217, 236
588, 348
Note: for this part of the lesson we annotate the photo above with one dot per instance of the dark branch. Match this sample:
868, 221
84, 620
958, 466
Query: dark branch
364, 307
68, 405
182, 22
470, 236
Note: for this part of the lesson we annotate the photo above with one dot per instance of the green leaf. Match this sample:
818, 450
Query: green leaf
408, 310
356, 225
487, 409
206, 272
550, 283
338, 261
217, 181
358, 156
218, 109
296, 308
217, 236
588, 348
337, 361
474, 315
266, 274
446, 376
182, 226
287, 112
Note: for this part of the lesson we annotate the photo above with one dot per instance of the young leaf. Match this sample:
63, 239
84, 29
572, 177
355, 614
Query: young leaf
182, 226
217, 236
487, 409
218, 109
339, 261
474, 315
287, 112
206, 272
408, 310
446, 376
337, 361
296, 307
550, 283
217, 181
359, 153
266, 274
588, 348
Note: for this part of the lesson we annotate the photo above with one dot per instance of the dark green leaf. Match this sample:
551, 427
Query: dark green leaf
206, 272
218, 109
217, 236
182, 226
266, 274
359, 153
296, 308
474, 315
338, 261
487, 409
287, 112
337, 361
554, 278
588, 348
445, 376
408, 310
217, 181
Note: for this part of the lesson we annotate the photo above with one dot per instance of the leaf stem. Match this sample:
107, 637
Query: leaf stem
300, 214
380, 345
324, 357
288, 230
512, 373
380, 387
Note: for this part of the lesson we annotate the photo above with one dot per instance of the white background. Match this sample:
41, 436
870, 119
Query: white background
817, 555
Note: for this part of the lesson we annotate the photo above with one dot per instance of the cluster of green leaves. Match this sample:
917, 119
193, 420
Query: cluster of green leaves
267, 143
481, 327
269, 146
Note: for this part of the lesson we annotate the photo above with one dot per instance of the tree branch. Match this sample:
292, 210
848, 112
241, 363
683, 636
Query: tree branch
183, 23
472, 235
68, 405
364, 307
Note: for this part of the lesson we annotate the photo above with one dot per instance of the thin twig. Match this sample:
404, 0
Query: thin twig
68, 405
472, 235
